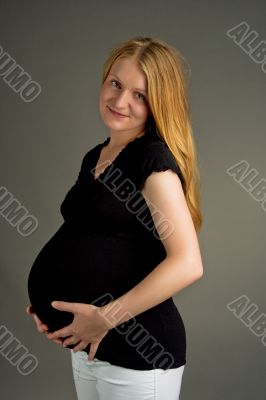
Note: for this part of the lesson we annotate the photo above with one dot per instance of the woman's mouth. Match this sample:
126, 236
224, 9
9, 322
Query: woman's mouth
116, 114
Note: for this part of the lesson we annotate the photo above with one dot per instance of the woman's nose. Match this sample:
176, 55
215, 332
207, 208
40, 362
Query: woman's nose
122, 99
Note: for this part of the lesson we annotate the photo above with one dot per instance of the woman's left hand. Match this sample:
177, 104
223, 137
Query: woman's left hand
89, 326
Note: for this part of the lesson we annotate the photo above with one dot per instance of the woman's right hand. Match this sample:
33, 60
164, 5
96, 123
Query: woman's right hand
42, 328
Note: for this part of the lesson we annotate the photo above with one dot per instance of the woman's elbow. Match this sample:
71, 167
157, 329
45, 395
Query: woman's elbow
191, 266
194, 268
197, 270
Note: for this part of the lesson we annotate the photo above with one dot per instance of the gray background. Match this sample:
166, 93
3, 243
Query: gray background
62, 45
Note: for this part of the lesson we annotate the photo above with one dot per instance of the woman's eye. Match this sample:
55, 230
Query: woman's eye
140, 96
114, 83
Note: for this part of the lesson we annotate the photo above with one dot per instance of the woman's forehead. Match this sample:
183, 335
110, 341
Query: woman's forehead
127, 70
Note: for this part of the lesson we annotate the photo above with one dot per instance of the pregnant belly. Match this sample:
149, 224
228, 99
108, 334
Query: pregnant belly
80, 267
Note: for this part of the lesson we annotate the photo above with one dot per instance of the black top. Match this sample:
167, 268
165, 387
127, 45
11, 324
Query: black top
107, 244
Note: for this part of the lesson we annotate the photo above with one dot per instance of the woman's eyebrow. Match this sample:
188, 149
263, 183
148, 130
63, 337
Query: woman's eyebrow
141, 90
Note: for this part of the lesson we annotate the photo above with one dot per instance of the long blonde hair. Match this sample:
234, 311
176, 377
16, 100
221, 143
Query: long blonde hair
167, 96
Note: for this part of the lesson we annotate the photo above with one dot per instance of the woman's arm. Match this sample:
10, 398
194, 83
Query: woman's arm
181, 267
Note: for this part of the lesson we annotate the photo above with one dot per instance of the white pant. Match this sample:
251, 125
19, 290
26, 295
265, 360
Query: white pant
100, 380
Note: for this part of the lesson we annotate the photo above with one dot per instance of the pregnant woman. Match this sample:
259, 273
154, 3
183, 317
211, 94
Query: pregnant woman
103, 284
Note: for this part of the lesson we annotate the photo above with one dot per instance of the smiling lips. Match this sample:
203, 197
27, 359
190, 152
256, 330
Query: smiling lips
116, 114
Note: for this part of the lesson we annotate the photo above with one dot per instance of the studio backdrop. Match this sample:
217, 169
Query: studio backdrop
51, 59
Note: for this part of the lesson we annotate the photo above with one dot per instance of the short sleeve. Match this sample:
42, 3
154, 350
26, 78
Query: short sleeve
157, 158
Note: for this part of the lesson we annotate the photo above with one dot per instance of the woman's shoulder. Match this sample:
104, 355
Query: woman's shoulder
92, 152
153, 155
155, 151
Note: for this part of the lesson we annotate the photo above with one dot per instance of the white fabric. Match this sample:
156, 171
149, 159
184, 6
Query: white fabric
100, 380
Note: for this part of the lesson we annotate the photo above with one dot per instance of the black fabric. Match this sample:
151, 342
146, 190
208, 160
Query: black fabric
106, 245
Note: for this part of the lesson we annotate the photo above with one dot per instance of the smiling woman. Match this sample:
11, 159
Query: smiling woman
123, 108
111, 243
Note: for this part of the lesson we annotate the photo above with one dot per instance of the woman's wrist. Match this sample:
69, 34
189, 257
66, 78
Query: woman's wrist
114, 314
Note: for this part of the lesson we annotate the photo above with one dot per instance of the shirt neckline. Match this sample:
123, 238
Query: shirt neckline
112, 163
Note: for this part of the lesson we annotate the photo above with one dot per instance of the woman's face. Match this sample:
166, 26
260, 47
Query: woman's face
123, 98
